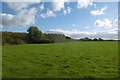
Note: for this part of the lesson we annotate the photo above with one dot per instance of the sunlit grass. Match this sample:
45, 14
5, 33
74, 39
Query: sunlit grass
61, 60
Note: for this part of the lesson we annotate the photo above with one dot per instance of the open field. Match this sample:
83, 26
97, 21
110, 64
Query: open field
61, 60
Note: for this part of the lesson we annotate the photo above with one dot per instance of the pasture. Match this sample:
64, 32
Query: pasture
61, 60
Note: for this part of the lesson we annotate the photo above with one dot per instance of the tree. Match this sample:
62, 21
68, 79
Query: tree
95, 39
34, 35
100, 39
13, 38
85, 39
67, 37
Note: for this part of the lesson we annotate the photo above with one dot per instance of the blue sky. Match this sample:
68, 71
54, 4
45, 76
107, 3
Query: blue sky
75, 19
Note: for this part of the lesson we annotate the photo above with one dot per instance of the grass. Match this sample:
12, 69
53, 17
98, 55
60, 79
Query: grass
0, 61
61, 60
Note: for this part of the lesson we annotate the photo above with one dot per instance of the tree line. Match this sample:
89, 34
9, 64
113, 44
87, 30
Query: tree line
88, 39
35, 36
32, 36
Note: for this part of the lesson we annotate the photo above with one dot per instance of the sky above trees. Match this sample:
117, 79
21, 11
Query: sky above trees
82, 18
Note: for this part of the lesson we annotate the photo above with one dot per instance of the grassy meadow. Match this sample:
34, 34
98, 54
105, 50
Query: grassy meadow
61, 60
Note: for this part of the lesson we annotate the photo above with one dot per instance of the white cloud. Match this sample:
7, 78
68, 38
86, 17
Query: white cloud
119, 21
24, 17
7, 19
99, 11
21, 0
116, 22
58, 5
1, 26
94, 5
108, 34
67, 11
42, 7
49, 13
105, 23
84, 3
17, 6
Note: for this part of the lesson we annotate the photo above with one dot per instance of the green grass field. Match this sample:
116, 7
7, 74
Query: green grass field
61, 60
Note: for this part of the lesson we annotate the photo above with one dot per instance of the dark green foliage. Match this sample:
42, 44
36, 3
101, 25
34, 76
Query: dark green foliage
56, 37
88, 39
100, 39
34, 35
68, 37
13, 38
85, 39
95, 39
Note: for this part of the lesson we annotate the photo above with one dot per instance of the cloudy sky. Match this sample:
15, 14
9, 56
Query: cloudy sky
82, 18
